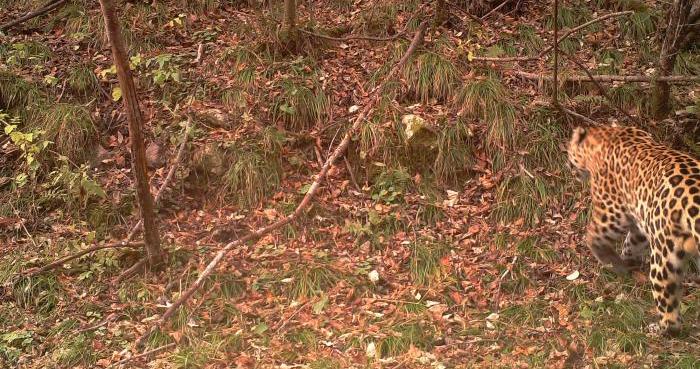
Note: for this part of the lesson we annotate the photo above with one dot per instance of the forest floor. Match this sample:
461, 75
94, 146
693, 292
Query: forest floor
457, 245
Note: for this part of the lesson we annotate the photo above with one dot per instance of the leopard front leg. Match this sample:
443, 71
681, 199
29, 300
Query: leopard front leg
604, 231
635, 248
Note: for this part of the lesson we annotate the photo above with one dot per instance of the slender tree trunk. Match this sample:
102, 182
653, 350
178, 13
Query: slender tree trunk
135, 119
290, 16
675, 39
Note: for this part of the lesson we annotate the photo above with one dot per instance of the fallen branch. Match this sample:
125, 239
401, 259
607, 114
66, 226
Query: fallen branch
89, 250
494, 10
608, 78
549, 48
127, 241
143, 355
305, 202
577, 115
45, 9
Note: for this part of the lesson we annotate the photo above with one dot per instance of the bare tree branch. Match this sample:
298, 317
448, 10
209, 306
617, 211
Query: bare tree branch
305, 202
45, 9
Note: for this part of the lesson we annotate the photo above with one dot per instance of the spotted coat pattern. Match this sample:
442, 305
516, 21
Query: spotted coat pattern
649, 193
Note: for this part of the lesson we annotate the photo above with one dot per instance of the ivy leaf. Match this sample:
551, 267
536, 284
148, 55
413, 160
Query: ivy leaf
116, 93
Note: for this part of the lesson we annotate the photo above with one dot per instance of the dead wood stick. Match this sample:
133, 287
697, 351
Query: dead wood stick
305, 202
494, 10
549, 48
89, 250
47, 8
609, 78
127, 241
577, 115
145, 354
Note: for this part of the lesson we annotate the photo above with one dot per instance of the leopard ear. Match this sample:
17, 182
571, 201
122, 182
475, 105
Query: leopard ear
579, 135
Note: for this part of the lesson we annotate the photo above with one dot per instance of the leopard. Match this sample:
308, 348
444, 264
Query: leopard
648, 193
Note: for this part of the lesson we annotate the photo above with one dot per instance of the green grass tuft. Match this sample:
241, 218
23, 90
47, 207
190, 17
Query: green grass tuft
75, 351
431, 76
71, 129
308, 279
455, 152
82, 80
376, 20
37, 292
16, 92
639, 26
405, 335
251, 177
522, 197
486, 98
424, 263
531, 41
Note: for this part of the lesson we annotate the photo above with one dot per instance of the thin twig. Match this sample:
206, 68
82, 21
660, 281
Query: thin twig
61, 261
21, 223
577, 115
305, 202
145, 354
352, 174
469, 15
47, 8
494, 10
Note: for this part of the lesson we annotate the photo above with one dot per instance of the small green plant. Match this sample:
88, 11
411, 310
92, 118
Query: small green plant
300, 106
610, 61
74, 187
30, 145
165, 68
13, 344
28, 53
390, 186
